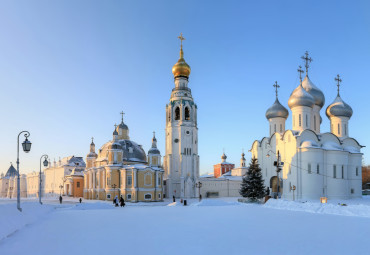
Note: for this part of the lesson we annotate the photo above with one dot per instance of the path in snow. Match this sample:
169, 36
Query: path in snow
228, 229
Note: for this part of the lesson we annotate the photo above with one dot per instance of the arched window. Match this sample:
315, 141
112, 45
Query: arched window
335, 171
306, 120
169, 116
177, 113
342, 172
187, 113
300, 120
314, 122
338, 129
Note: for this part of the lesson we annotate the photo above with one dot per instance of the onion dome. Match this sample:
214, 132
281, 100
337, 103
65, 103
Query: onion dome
339, 109
223, 157
123, 126
314, 91
115, 132
277, 111
300, 97
181, 68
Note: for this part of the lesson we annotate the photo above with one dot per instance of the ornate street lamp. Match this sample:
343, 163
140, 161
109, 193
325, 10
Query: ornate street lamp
26, 148
198, 185
46, 163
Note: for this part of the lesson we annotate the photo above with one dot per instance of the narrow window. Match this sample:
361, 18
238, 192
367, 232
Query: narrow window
169, 116
338, 129
345, 129
342, 172
129, 180
187, 113
352, 191
306, 120
335, 171
314, 122
190, 151
356, 171
318, 169
300, 120
185, 151
177, 113
78, 184
274, 128
281, 128
309, 168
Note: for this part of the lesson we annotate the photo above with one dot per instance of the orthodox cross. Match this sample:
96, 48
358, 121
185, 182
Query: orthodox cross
276, 86
122, 115
339, 80
153, 133
300, 73
92, 139
307, 61
181, 39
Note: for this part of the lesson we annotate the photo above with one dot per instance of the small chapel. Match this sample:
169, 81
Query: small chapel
304, 162
121, 167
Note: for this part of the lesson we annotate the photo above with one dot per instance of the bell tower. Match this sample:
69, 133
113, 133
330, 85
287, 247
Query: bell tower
181, 160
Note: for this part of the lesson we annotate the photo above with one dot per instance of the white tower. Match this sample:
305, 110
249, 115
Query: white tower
181, 161
339, 114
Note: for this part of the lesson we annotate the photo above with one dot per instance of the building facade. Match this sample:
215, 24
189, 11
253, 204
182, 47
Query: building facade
8, 184
121, 168
223, 167
181, 161
315, 164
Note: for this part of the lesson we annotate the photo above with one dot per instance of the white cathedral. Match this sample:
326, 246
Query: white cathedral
181, 162
314, 163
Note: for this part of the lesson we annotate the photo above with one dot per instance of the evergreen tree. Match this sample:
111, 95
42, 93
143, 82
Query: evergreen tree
252, 185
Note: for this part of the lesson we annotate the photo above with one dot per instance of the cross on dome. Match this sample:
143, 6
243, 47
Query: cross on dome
307, 60
276, 86
181, 39
300, 71
339, 80
122, 115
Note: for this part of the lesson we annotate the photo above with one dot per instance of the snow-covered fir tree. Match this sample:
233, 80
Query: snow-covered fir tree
252, 185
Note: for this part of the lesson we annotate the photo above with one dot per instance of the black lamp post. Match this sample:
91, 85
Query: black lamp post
46, 163
26, 148
198, 185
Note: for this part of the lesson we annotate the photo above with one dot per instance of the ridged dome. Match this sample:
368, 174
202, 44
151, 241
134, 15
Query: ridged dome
339, 109
300, 97
314, 91
276, 111
181, 68
123, 126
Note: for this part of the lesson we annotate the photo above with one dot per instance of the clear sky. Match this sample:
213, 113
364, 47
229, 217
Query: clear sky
68, 68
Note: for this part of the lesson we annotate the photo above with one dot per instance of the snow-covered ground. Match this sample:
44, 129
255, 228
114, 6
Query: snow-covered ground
213, 226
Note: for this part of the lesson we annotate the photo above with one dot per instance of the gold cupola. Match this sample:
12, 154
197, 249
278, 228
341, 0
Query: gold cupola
181, 68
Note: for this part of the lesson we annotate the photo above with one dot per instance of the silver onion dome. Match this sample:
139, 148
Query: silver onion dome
277, 110
123, 126
314, 91
339, 109
300, 97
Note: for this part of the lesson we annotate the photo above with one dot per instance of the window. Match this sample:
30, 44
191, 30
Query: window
338, 129
177, 113
281, 128
274, 128
108, 196
300, 120
309, 168
306, 120
78, 184
159, 180
148, 196
342, 172
335, 171
129, 180
352, 191
356, 171
318, 169
314, 122
169, 116
187, 113
159, 195
128, 196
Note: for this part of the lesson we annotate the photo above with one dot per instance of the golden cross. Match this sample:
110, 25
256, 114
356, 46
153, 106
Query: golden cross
307, 61
339, 80
181, 38
276, 88
122, 115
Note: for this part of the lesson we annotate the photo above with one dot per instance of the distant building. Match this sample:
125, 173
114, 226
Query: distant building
223, 167
8, 184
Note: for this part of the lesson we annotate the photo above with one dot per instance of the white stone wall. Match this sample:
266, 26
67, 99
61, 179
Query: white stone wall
224, 187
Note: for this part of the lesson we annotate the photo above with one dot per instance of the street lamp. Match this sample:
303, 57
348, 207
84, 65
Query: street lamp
278, 164
46, 163
198, 185
26, 148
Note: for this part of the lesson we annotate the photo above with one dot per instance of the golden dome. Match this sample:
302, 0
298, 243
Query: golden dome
181, 68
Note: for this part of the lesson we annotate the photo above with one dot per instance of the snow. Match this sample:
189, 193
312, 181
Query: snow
212, 226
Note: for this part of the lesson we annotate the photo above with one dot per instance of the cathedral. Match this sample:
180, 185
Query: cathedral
121, 167
304, 162
181, 162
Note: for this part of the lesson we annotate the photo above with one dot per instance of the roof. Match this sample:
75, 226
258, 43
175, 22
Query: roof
11, 172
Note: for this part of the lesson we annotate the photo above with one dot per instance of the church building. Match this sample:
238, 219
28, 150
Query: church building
121, 167
314, 163
181, 162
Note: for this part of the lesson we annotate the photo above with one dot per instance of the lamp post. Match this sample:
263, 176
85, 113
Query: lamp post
46, 163
26, 148
198, 185
278, 164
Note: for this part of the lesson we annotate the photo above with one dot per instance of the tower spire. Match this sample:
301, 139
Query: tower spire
181, 39
307, 60
339, 80
276, 86
300, 71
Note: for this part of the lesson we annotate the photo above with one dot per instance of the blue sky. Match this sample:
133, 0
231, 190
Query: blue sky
67, 68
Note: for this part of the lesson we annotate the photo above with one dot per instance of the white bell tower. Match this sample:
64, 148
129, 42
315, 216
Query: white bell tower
181, 161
